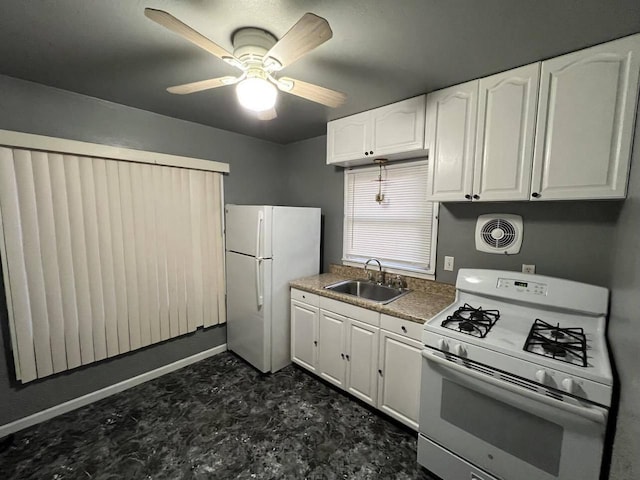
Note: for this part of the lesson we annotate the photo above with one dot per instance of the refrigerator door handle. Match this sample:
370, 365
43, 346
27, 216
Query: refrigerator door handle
259, 234
259, 283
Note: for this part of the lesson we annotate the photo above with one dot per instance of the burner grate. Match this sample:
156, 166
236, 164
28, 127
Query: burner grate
564, 344
472, 321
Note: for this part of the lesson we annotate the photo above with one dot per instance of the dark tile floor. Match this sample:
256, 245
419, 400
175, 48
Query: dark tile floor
218, 419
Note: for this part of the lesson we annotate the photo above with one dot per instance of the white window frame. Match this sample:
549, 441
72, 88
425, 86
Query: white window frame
429, 274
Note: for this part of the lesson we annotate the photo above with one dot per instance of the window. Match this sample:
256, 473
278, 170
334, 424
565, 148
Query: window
401, 230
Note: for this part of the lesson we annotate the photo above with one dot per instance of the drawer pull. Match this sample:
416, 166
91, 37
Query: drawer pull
404, 329
315, 343
380, 372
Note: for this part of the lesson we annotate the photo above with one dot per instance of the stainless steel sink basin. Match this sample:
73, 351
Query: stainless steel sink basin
368, 290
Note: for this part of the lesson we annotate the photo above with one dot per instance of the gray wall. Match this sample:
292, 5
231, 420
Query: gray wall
256, 168
312, 183
624, 325
562, 239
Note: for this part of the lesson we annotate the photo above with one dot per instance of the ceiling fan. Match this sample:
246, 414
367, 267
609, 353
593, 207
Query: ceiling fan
260, 56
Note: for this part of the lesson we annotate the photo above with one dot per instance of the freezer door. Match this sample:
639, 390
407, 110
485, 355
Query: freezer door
248, 229
249, 309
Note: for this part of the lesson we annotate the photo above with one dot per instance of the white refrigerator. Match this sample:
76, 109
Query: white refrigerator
266, 248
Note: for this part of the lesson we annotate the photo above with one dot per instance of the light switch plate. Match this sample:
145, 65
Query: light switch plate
448, 264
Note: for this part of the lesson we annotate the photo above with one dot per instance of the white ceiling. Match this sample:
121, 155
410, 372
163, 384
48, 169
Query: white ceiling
381, 51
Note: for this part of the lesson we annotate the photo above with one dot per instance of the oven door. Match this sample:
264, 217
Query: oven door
506, 429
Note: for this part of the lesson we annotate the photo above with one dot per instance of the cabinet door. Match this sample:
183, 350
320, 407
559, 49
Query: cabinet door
399, 127
399, 369
505, 134
331, 347
585, 123
348, 138
451, 133
304, 335
362, 359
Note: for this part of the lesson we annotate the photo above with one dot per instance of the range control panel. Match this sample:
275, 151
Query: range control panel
522, 286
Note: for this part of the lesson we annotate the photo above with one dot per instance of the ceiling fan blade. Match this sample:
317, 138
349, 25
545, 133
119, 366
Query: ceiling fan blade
172, 23
308, 33
202, 85
312, 92
267, 114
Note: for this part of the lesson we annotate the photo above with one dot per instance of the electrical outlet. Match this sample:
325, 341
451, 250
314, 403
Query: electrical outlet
528, 268
448, 264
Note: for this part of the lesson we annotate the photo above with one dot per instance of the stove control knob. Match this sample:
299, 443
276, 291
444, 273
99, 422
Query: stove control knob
442, 345
568, 385
541, 376
459, 350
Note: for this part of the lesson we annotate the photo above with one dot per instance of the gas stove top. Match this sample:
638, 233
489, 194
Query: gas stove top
532, 326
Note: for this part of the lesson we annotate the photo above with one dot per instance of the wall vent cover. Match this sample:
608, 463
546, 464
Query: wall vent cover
499, 233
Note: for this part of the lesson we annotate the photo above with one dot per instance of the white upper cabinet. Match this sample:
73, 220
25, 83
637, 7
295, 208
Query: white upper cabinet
451, 132
585, 122
398, 127
394, 132
505, 134
348, 138
488, 142
480, 136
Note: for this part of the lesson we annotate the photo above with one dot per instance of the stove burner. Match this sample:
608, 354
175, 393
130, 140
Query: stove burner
555, 350
466, 326
472, 321
564, 344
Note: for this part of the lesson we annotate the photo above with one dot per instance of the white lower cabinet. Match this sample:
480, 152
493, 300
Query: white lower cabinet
332, 340
374, 357
400, 361
304, 334
347, 355
362, 358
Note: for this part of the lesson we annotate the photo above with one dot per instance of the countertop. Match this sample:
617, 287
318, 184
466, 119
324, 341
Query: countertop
418, 306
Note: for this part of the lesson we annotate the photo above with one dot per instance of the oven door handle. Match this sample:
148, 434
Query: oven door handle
593, 415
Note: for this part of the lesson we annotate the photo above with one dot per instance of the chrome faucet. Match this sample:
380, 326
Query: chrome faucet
380, 277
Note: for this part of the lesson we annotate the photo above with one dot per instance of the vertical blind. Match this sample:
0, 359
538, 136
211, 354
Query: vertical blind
399, 231
101, 257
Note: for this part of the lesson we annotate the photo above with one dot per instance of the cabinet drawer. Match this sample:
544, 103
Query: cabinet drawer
351, 311
401, 327
305, 297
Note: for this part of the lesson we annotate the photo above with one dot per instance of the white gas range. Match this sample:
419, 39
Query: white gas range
516, 379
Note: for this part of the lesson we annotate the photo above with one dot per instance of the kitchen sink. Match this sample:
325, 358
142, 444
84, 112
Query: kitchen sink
368, 290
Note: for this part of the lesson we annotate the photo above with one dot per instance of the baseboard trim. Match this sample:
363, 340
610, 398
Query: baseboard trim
78, 402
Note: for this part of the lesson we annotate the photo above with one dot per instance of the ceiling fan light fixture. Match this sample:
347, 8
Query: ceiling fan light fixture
256, 94
258, 54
